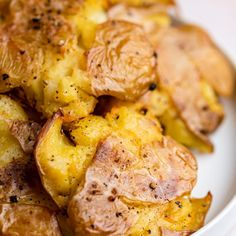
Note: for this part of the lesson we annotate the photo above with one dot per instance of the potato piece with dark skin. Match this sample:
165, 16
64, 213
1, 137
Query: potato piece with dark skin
25, 220
117, 174
121, 62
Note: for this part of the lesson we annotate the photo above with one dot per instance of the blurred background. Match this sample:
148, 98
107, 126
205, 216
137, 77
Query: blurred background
218, 17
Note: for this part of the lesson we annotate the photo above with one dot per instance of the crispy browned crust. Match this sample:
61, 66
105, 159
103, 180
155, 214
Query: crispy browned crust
26, 32
25, 220
117, 174
121, 61
181, 79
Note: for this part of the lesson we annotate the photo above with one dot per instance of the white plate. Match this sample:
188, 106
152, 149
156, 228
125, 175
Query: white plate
217, 172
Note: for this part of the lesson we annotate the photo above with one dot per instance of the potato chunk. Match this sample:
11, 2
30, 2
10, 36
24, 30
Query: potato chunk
61, 164
209, 60
27, 220
121, 194
183, 83
121, 61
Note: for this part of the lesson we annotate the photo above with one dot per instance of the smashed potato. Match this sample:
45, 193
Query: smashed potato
97, 98
211, 63
24, 203
66, 164
183, 83
121, 61
24, 220
63, 58
157, 104
105, 205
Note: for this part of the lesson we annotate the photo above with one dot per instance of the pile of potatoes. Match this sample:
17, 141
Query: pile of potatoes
101, 103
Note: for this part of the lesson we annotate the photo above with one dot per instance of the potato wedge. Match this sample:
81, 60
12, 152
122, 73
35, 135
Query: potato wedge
24, 220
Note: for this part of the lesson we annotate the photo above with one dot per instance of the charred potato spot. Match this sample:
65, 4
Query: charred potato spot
116, 175
121, 61
27, 220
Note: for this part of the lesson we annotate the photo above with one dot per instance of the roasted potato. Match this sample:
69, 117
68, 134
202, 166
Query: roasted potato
118, 198
25, 220
182, 80
183, 83
25, 207
57, 53
121, 61
99, 98
86, 134
213, 66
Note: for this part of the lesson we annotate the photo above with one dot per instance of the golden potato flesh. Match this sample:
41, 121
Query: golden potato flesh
40, 52
209, 60
25, 220
121, 61
61, 164
158, 104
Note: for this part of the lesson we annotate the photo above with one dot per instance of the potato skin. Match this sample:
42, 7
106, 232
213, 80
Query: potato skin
25, 220
121, 61
183, 83
117, 174
211, 63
